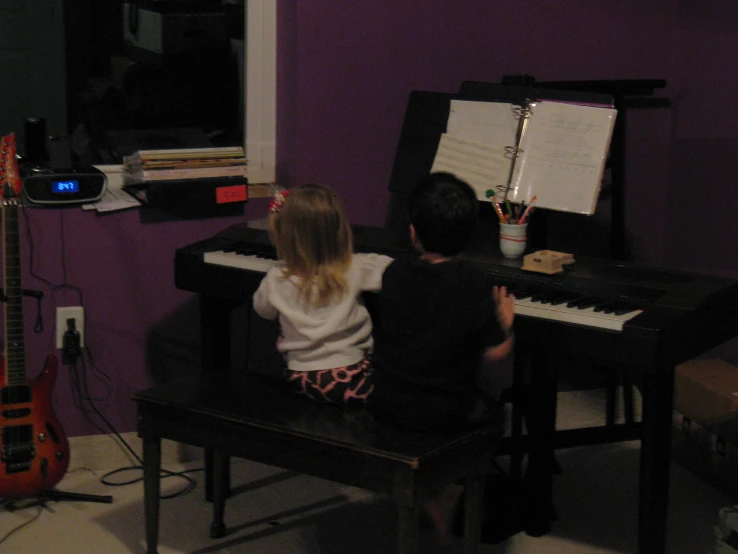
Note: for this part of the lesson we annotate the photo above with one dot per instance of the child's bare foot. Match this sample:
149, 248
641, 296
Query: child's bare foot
441, 509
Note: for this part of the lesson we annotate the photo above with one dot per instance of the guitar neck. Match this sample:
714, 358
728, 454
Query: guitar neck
15, 348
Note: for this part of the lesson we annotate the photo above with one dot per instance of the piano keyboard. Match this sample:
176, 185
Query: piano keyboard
259, 259
590, 317
580, 310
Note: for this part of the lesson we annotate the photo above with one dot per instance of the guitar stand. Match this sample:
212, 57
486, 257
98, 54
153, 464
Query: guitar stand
56, 496
38, 295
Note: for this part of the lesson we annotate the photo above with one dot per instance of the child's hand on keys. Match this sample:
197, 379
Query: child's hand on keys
505, 307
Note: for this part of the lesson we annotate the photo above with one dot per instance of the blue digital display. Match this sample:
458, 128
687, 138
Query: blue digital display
65, 187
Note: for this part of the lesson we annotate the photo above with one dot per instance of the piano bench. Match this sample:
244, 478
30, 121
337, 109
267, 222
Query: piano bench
256, 417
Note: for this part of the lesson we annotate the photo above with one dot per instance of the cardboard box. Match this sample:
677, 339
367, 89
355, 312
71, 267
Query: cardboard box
706, 391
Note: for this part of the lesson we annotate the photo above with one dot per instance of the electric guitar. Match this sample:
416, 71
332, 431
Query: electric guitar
34, 451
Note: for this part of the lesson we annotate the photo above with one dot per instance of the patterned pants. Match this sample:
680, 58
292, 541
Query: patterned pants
341, 385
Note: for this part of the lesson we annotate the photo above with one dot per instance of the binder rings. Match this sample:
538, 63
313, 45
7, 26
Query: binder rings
496, 130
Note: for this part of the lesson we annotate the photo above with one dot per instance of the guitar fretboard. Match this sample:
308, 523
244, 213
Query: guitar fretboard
15, 350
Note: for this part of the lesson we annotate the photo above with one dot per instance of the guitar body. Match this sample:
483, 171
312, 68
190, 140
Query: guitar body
34, 450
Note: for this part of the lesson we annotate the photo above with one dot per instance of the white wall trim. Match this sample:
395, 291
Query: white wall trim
261, 90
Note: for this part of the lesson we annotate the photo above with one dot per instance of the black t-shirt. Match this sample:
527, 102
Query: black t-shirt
434, 322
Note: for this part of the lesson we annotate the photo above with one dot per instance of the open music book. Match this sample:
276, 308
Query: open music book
555, 151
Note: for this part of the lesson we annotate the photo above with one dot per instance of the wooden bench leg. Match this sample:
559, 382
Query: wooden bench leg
209, 452
408, 528
628, 400
152, 482
611, 404
473, 510
221, 482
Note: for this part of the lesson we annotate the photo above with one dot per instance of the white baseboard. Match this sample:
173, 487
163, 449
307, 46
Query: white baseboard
98, 452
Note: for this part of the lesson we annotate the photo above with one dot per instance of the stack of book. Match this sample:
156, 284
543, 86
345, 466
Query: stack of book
179, 164
195, 177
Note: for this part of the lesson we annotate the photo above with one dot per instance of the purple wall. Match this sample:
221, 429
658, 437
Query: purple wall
140, 329
356, 64
345, 72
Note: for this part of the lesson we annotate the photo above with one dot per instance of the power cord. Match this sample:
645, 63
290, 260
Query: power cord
22, 525
82, 394
72, 355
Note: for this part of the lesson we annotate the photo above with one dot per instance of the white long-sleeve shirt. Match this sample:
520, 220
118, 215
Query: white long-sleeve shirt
326, 337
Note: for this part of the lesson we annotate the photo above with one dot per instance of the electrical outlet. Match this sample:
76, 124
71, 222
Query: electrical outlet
62, 315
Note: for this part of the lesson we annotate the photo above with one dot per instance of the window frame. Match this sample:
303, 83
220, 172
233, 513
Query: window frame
261, 90
260, 95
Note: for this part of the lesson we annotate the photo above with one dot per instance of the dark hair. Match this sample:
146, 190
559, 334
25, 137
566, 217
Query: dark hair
443, 210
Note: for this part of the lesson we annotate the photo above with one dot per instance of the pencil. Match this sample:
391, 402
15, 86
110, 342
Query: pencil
498, 210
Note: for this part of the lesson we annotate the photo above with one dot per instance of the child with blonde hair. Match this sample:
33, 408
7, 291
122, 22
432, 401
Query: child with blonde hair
315, 292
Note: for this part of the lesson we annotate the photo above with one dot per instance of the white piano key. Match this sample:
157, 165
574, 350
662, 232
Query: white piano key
587, 316
239, 261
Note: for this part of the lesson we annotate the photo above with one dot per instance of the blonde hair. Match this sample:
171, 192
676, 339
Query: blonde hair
314, 240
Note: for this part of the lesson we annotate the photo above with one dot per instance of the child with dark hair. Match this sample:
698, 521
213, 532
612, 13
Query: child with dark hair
315, 292
442, 322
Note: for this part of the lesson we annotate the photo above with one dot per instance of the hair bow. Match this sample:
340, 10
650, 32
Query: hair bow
278, 201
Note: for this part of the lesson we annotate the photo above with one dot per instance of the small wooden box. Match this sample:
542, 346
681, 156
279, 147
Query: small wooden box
547, 261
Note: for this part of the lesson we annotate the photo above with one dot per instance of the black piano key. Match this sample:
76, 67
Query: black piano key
623, 309
521, 292
263, 252
586, 302
540, 296
560, 299
606, 307
267, 252
552, 298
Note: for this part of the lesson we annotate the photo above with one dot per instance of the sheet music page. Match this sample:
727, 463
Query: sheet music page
473, 147
564, 149
488, 123
483, 167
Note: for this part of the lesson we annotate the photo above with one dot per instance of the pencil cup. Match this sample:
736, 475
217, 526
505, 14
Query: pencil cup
513, 239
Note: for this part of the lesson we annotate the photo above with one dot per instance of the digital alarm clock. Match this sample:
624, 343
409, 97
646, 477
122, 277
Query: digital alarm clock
77, 185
